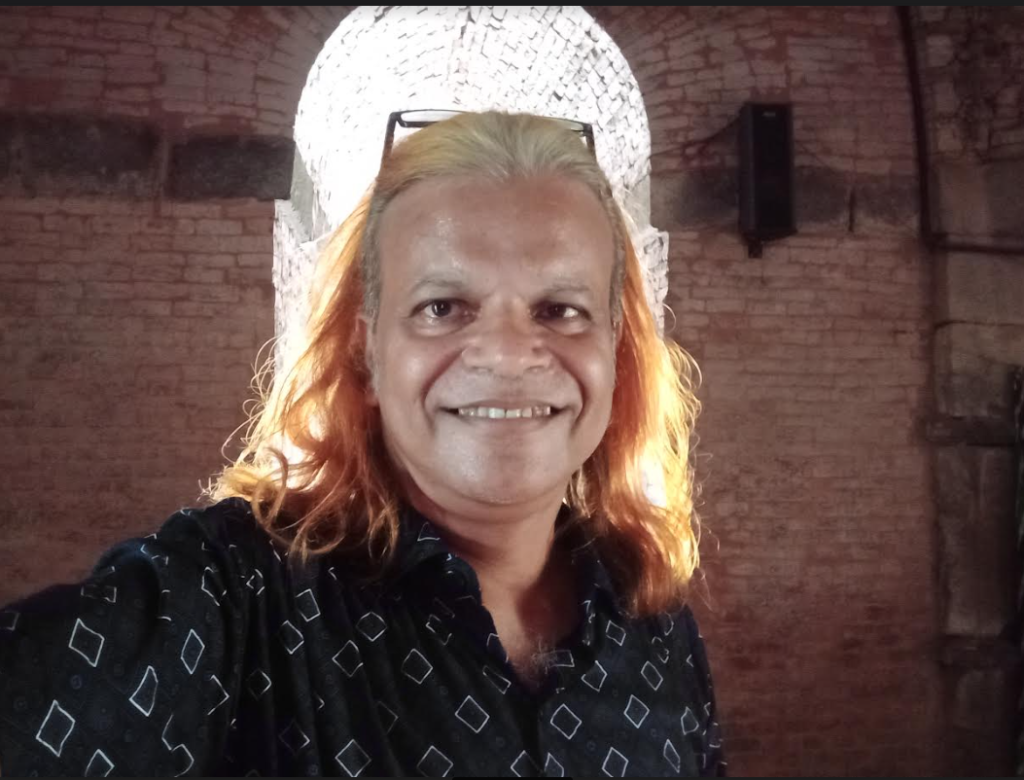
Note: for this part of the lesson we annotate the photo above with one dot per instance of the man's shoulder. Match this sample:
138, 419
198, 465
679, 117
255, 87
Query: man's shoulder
690, 627
227, 522
221, 534
677, 629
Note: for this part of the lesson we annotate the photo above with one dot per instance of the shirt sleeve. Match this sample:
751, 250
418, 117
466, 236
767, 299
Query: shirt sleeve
134, 671
710, 754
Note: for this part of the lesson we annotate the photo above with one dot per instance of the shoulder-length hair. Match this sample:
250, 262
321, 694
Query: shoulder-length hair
314, 467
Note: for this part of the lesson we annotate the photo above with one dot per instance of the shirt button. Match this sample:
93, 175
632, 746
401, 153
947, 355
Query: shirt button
76, 682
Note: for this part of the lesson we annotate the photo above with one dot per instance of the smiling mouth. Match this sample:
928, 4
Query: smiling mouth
498, 413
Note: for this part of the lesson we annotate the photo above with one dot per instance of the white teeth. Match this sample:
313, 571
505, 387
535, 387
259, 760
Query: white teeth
495, 413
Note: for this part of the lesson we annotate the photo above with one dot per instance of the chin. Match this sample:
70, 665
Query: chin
500, 492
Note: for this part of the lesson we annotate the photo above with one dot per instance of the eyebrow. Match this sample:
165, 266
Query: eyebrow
449, 281
435, 280
567, 286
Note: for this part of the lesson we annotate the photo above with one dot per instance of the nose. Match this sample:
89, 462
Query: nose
507, 343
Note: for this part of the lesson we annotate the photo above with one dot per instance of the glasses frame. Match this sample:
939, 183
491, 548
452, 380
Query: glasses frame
407, 119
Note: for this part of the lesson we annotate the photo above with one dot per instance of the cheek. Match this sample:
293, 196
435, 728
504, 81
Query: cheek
408, 370
595, 369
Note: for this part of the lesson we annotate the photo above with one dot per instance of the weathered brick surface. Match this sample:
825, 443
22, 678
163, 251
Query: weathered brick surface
127, 357
815, 369
226, 69
971, 59
819, 544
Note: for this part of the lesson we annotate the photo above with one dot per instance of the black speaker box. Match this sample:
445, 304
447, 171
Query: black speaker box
767, 209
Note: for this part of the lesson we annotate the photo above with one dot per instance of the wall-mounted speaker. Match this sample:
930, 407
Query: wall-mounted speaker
767, 210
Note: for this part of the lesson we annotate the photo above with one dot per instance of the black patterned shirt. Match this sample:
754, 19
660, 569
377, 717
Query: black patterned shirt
204, 650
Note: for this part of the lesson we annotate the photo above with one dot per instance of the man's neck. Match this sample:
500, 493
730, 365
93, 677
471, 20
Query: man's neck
510, 548
526, 580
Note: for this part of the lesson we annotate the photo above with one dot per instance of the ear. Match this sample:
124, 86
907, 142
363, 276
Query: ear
365, 334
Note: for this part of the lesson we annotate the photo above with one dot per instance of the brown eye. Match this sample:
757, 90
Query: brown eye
561, 311
439, 309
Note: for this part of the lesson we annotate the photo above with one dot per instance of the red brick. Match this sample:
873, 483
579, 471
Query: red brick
158, 273
218, 227
259, 259
203, 276
132, 77
137, 14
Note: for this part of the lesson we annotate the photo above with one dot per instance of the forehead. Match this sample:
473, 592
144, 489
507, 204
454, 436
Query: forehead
539, 224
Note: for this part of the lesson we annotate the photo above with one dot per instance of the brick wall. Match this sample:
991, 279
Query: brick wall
129, 334
819, 535
817, 498
203, 67
970, 60
819, 546
973, 58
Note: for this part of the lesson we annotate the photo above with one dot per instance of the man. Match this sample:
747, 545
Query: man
436, 556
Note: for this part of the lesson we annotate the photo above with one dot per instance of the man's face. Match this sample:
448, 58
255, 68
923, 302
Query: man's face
493, 353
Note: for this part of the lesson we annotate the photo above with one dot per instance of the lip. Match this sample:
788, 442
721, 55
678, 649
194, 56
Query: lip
513, 425
556, 412
518, 403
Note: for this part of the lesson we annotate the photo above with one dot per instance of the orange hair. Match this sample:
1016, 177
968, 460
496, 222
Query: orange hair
314, 467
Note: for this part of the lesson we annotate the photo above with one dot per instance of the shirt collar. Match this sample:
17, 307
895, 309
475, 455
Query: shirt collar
421, 548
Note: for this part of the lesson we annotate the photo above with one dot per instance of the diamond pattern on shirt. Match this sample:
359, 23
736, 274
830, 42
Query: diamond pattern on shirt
192, 651
352, 759
472, 714
99, 765
349, 659
56, 728
434, 763
221, 655
566, 722
87, 643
